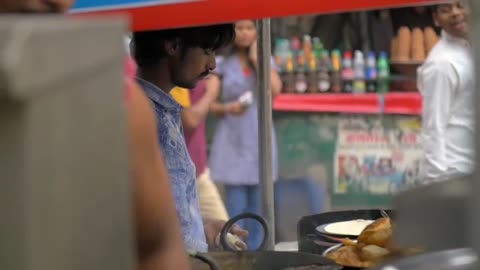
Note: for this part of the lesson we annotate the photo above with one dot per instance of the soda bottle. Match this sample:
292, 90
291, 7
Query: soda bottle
300, 79
317, 47
323, 77
288, 77
277, 55
383, 69
307, 46
336, 76
295, 45
359, 73
371, 72
347, 72
312, 74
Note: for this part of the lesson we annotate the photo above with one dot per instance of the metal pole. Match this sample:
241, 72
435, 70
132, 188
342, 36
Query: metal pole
265, 126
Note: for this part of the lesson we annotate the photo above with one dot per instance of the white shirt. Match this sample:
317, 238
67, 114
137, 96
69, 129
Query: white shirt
446, 82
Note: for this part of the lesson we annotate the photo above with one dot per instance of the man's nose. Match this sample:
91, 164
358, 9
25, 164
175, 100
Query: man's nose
212, 63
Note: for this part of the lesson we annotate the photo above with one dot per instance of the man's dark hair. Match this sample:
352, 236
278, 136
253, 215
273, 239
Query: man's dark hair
148, 47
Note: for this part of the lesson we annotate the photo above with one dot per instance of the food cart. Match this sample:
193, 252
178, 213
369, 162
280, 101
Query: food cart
148, 15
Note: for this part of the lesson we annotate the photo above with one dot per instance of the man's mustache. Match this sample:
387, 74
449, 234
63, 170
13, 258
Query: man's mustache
205, 74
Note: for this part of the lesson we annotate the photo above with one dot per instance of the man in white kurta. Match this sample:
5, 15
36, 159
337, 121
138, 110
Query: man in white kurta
446, 82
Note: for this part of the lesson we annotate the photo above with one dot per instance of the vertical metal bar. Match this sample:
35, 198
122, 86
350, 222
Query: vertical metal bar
265, 126
474, 202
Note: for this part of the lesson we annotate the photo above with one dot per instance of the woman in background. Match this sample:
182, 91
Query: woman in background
234, 153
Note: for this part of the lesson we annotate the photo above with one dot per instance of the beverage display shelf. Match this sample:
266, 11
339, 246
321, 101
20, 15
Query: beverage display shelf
409, 103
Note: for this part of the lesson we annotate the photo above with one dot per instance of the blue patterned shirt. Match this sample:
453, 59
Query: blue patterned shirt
181, 169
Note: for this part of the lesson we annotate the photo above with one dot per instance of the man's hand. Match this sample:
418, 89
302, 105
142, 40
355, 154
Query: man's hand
213, 228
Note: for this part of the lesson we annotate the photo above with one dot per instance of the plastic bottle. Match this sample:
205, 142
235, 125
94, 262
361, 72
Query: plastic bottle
288, 76
359, 85
286, 50
307, 46
300, 79
323, 77
282, 50
312, 86
277, 54
383, 69
317, 47
336, 79
371, 72
295, 45
347, 72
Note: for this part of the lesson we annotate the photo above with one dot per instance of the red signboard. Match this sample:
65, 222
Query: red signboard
178, 13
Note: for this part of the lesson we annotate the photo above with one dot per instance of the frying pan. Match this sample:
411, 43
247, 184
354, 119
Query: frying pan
258, 259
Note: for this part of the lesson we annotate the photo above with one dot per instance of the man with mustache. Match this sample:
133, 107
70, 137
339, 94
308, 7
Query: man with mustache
181, 57
446, 82
158, 239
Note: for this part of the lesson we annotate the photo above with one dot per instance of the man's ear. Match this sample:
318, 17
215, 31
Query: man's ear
171, 47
